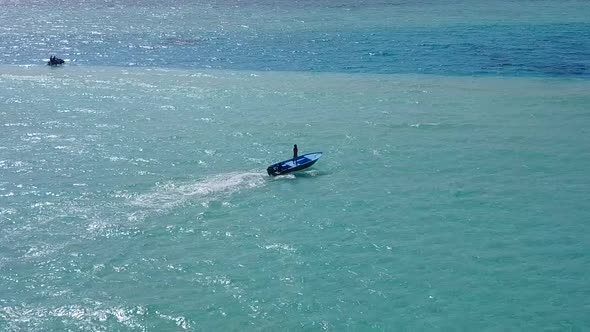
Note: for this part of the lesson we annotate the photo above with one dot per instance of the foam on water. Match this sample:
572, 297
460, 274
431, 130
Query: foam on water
91, 316
170, 195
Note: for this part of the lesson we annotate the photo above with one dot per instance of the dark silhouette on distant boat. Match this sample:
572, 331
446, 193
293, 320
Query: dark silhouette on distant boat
55, 61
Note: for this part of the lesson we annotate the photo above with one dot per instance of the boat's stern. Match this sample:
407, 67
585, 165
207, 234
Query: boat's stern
274, 170
270, 170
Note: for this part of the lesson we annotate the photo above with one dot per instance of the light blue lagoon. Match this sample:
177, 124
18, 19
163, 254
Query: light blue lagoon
452, 193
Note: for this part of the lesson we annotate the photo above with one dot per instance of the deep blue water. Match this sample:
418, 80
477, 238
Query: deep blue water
183, 39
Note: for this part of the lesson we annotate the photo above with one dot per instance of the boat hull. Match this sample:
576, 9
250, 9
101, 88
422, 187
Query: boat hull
293, 165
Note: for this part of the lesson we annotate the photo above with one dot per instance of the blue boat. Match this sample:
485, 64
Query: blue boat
293, 165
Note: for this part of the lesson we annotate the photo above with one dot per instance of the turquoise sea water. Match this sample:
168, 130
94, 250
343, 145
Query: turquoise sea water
452, 194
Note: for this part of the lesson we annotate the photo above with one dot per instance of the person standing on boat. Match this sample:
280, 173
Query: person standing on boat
295, 154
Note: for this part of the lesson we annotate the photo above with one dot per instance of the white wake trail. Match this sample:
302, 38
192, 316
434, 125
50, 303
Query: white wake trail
171, 195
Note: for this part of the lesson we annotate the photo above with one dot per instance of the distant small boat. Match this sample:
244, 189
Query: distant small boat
293, 165
55, 61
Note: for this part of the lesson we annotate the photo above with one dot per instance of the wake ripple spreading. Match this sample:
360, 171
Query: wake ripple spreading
91, 316
171, 195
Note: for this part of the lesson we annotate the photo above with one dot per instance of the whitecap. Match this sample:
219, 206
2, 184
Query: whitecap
279, 247
429, 124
